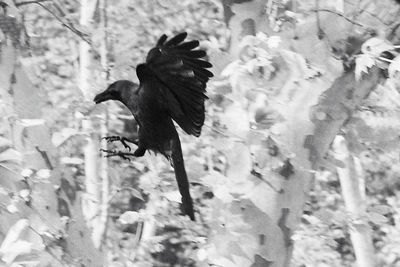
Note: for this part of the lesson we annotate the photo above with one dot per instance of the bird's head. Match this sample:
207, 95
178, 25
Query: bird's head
119, 90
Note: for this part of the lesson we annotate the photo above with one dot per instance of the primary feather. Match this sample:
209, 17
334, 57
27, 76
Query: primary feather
178, 66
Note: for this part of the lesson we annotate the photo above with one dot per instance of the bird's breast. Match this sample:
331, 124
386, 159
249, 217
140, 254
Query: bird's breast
156, 127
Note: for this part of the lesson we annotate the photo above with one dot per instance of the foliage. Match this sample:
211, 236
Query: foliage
236, 161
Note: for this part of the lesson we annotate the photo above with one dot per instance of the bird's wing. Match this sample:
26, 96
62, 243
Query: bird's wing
178, 65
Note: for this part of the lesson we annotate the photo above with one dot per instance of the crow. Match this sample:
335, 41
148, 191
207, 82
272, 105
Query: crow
172, 87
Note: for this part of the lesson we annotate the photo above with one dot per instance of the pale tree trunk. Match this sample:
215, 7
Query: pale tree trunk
256, 229
99, 231
350, 176
55, 207
96, 180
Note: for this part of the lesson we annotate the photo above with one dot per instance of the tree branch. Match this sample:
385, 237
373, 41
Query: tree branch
340, 15
30, 2
68, 26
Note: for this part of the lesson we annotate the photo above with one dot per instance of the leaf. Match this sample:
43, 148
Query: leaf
136, 193
375, 46
12, 246
174, 196
15, 249
324, 215
59, 138
363, 62
12, 208
129, 217
248, 40
377, 218
231, 68
43, 173
25, 194
380, 209
223, 194
32, 122
202, 254
4, 144
274, 41
26, 173
10, 155
263, 37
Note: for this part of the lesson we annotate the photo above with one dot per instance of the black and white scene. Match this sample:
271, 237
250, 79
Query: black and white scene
199, 133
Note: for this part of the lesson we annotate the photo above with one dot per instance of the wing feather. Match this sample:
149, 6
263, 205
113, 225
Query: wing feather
177, 39
182, 70
162, 40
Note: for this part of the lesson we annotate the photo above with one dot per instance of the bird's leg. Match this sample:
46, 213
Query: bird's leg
122, 139
139, 152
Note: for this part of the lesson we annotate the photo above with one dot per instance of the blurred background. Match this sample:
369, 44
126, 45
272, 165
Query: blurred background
297, 164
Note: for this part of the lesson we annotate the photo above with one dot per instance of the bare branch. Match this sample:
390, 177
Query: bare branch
340, 15
30, 2
67, 25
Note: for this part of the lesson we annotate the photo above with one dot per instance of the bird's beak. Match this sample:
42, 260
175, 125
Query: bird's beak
102, 97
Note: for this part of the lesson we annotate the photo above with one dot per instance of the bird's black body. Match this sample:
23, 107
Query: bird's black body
172, 87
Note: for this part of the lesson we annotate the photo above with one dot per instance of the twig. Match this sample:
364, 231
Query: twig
47, 247
68, 26
225, 133
29, 2
392, 33
320, 32
340, 15
45, 158
385, 59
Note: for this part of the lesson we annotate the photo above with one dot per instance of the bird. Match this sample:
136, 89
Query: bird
172, 87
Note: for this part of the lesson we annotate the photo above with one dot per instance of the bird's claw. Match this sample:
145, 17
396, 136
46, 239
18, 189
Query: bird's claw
111, 138
112, 153
114, 138
125, 144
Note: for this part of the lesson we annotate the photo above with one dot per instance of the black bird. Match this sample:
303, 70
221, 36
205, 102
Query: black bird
172, 87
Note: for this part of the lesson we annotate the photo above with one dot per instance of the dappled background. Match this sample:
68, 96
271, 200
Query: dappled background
132, 207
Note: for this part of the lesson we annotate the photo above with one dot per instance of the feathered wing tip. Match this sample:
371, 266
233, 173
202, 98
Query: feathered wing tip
181, 68
162, 40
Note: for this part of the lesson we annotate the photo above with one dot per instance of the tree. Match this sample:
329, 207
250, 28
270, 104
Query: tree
289, 115
350, 176
43, 208
291, 77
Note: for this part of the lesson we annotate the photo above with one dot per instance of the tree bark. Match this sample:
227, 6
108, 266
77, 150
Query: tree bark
257, 226
360, 231
100, 222
31, 137
93, 205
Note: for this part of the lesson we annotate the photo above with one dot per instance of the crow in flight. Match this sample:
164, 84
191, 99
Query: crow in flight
172, 87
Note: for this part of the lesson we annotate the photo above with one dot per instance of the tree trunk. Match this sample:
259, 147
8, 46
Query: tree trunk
95, 204
360, 231
100, 222
30, 136
267, 182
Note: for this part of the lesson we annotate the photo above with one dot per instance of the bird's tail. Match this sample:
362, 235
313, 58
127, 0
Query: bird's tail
181, 178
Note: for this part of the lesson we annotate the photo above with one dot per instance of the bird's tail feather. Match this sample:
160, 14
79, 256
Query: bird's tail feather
181, 178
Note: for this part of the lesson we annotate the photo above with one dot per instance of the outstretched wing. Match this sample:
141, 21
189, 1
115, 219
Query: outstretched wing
178, 65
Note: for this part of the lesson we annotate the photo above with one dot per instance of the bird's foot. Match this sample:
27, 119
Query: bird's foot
113, 153
122, 139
